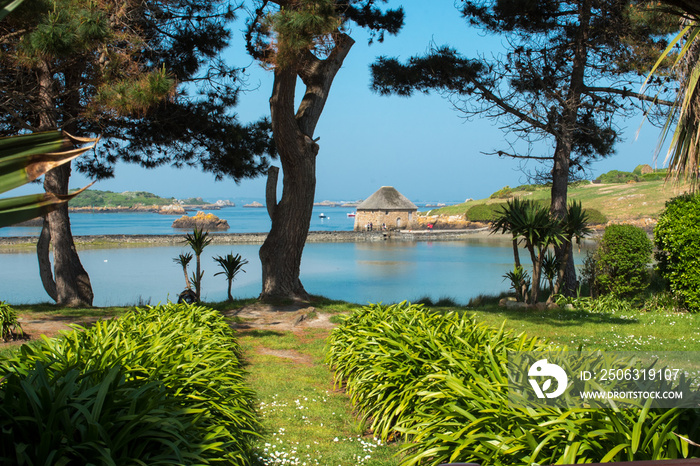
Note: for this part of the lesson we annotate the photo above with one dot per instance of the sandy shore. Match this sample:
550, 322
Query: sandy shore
111, 241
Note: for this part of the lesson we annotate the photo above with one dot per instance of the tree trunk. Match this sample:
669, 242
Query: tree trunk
73, 288
516, 252
198, 277
70, 285
280, 254
562, 152
566, 276
566, 247
43, 246
536, 272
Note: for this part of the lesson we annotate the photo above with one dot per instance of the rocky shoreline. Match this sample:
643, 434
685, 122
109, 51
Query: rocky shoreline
106, 241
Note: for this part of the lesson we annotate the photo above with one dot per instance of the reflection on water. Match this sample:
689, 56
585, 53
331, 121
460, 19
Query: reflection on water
358, 272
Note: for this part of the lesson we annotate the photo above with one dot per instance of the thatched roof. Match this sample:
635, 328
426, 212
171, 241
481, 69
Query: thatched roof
387, 198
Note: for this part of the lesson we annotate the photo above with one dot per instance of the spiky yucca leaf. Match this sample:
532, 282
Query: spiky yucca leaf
683, 122
14, 210
24, 158
7, 6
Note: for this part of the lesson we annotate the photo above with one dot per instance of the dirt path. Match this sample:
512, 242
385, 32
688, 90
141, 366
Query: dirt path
291, 318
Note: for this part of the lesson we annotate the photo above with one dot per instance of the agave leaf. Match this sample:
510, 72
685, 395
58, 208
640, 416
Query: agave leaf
19, 209
7, 6
24, 158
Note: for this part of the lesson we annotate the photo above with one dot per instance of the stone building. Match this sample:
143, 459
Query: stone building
386, 207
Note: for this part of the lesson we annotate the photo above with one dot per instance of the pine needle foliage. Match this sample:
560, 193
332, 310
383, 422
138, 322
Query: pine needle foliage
306, 27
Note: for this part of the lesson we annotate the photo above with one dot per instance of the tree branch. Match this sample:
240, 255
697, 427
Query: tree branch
318, 78
591, 91
506, 107
501, 153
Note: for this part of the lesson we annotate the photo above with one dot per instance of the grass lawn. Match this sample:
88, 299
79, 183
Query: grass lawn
309, 421
619, 202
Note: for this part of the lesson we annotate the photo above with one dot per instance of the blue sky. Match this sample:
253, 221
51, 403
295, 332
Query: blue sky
419, 145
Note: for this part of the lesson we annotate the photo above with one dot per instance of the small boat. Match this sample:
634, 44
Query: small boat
352, 214
322, 215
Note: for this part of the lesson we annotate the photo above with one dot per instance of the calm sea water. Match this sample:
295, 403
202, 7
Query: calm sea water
387, 271
240, 220
358, 272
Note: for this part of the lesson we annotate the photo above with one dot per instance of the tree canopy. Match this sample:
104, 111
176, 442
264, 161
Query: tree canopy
146, 76
570, 69
569, 72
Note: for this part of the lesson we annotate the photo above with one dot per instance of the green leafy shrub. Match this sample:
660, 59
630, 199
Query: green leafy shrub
658, 175
520, 282
160, 385
482, 212
9, 325
677, 240
67, 416
440, 381
622, 260
617, 176
503, 193
596, 217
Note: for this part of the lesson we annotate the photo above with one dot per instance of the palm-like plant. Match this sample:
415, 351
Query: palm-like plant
683, 156
519, 281
512, 209
25, 158
231, 266
198, 240
183, 260
534, 225
550, 267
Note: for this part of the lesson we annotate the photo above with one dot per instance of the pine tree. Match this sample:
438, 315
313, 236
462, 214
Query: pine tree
569, 73
145, 76
302, 40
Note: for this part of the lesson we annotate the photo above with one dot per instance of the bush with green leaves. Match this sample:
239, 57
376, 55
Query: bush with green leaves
160, 385
503, 193
482, 213
9, 325
440, 381
617, 176
596, 217
677, 240
622, 261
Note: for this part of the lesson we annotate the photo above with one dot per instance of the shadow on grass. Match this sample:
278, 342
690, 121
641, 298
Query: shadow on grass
560, 317
257, 333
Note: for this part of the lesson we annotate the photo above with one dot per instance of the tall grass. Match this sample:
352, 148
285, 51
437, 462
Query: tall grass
160, 385
440, 382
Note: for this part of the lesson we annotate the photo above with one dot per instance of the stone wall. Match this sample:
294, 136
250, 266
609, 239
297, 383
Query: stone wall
394, 219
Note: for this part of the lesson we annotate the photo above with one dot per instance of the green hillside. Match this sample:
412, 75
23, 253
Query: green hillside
617, 202
96, 198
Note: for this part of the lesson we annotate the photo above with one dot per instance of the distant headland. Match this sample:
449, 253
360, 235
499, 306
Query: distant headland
140, 201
